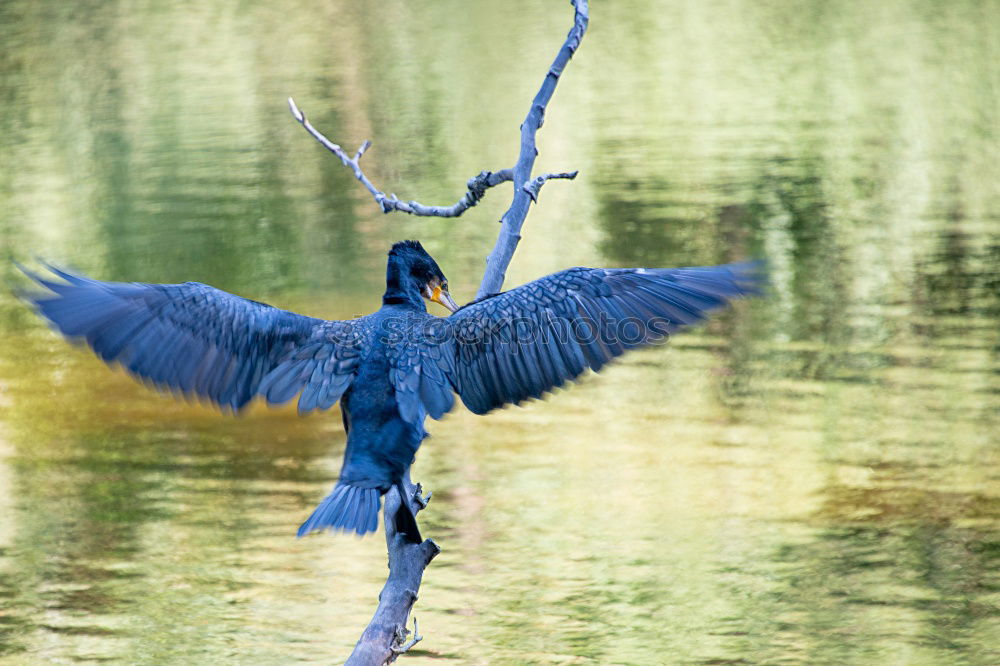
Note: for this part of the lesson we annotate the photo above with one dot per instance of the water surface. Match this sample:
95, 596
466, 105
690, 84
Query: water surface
813, 478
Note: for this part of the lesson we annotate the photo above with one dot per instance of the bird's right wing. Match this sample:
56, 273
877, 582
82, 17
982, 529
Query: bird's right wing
521, 343
199, 340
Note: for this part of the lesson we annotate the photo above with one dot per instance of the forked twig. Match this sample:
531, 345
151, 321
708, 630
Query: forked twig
475, 187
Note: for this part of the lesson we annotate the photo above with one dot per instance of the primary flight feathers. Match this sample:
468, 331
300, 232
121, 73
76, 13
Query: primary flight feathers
515, 345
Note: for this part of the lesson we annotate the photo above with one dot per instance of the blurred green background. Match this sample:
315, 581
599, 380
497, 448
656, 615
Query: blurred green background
813, 478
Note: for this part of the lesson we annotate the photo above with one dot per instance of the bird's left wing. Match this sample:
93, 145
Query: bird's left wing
521, 343
200, 340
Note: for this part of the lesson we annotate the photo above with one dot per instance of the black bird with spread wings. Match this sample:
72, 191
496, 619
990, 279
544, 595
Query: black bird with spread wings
390, 369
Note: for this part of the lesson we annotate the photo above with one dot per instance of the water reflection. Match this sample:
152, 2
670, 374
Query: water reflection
808, 479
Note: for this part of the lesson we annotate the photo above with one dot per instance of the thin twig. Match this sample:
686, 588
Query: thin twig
404, 644
476, 186
510, 232
535, 185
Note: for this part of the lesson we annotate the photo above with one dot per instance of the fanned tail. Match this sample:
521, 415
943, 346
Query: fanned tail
348, 508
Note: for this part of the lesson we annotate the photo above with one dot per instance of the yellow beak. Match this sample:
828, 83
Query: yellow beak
442, 297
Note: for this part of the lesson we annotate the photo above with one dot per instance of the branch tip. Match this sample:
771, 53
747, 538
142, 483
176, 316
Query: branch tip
532, 187
298, 115
362, 149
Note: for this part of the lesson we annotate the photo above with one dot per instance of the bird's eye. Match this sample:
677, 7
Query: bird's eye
444, 285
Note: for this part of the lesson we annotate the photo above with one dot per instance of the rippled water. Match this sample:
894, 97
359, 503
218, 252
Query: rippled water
813, 478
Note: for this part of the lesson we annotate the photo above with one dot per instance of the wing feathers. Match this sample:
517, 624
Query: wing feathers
579, 318
199, 340
504, 349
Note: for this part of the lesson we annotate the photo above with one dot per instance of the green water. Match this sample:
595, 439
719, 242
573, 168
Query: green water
811, 479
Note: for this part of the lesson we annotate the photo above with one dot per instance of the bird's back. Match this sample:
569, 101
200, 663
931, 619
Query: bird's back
381, 443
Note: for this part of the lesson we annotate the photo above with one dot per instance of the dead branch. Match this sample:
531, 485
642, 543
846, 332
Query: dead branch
510, 224
476, 186
385, 637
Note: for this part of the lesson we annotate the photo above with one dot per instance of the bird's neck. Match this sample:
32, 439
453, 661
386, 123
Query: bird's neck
401, 288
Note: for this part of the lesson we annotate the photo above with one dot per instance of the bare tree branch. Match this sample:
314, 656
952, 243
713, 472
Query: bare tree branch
385, 637
477, 185
510, 231
503, 251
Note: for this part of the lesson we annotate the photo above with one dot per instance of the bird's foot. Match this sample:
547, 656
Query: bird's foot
419, 499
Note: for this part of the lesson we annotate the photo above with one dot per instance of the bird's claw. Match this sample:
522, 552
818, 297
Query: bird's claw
419, 499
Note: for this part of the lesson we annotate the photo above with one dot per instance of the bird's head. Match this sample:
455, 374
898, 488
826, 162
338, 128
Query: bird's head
411, 261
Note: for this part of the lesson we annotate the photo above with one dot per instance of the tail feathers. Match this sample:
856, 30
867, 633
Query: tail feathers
347, 508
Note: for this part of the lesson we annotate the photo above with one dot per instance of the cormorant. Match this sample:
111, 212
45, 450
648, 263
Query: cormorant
389, 369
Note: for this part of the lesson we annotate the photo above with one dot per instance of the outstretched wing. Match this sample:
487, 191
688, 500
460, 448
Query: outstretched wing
200, 340
526, 341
